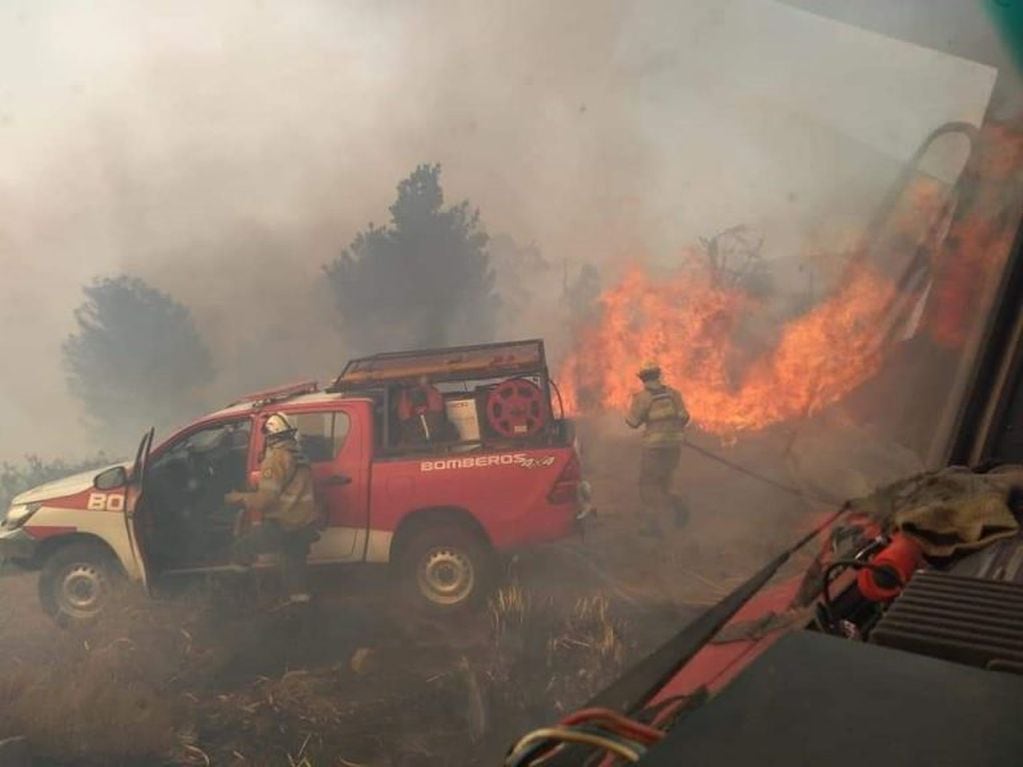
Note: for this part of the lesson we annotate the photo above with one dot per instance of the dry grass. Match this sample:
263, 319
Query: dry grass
517, 616
149, 686
548, 659
590, 625
91, 713
199, 682
97, 696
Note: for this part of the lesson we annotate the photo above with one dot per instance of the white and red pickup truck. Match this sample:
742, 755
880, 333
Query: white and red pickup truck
499, 471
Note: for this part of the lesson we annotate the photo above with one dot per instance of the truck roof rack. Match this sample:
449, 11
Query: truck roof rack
278, 394
451, 363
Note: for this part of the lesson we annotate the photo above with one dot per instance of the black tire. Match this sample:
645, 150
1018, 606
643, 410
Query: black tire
77, 583
445, 568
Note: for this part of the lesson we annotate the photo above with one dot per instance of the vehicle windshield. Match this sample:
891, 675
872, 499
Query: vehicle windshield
633, 295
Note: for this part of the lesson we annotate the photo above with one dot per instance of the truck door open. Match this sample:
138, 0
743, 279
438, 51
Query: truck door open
133, 504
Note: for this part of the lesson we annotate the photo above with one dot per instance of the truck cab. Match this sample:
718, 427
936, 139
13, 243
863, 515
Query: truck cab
434, 462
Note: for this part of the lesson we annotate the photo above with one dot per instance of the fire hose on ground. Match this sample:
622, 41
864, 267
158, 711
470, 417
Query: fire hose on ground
756, 475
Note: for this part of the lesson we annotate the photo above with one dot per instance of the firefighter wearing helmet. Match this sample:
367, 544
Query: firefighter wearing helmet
282, 512
659, 409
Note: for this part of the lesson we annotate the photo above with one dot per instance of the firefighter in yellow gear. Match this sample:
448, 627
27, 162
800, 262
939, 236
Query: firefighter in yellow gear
282, 512
659, 409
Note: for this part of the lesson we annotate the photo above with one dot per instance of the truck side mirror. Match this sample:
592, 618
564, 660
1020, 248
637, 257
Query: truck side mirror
111, 478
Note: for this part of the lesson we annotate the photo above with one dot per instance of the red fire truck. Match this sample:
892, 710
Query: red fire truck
433, 461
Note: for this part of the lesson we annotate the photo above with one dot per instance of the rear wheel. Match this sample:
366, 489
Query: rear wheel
77, 583
445, 568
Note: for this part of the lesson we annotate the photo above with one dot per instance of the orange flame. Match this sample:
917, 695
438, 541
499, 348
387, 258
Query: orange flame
688, 324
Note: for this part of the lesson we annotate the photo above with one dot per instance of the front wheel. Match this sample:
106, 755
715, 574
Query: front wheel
446, 568
77, 582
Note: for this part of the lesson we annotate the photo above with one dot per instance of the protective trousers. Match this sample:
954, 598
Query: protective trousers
656, 468
291, 546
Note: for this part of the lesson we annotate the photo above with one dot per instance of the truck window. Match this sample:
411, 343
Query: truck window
322, 435
219, 450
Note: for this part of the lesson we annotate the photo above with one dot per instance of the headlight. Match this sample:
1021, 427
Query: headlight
18, 515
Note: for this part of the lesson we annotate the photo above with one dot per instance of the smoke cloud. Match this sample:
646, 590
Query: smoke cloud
225, 152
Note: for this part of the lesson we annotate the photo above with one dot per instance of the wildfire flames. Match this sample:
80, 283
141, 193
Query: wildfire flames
691, 323
688, 324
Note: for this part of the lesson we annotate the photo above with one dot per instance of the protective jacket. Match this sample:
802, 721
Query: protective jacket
662, 412
285, 492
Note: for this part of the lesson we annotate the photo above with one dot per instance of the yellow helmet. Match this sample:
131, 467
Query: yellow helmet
277, 426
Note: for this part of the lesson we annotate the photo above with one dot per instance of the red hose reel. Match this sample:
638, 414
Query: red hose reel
517, 408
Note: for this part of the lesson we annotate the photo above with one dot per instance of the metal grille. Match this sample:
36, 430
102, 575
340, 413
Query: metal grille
968, 620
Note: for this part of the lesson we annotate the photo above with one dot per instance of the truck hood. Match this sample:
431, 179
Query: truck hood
61, 488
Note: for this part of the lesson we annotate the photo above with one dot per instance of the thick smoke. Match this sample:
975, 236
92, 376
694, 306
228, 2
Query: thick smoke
225, 152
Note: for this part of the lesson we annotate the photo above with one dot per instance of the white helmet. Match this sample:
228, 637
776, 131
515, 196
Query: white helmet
277, 426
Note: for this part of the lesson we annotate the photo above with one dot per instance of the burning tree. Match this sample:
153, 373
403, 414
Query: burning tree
136, 358
424, 280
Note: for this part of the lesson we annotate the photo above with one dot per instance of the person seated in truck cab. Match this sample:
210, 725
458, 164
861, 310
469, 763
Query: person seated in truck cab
421, 413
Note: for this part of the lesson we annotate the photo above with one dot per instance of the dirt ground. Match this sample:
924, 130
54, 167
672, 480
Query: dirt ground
206, 676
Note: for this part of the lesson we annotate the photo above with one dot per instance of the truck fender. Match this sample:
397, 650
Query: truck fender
49, 546
420, 518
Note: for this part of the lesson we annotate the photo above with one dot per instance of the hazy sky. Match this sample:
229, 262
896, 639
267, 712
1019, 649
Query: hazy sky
225, 150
